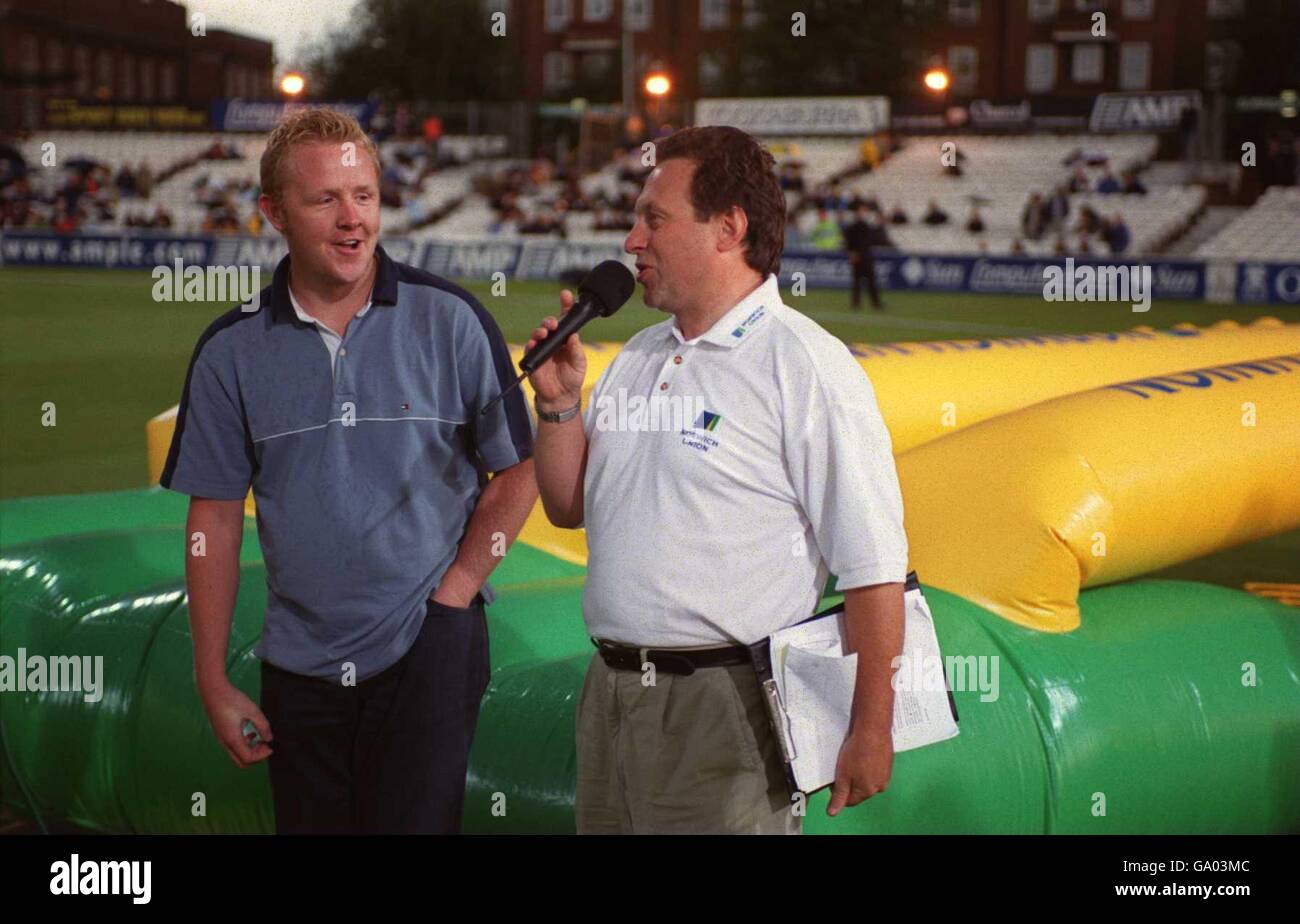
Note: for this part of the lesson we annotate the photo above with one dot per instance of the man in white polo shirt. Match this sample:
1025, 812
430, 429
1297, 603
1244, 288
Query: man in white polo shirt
714, 518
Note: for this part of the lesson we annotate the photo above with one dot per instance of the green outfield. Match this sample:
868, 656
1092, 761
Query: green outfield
95, 345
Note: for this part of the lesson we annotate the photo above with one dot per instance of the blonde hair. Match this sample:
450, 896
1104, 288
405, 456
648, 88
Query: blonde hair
308, 126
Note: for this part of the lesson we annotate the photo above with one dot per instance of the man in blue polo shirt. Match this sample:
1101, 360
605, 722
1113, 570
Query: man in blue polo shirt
349, 400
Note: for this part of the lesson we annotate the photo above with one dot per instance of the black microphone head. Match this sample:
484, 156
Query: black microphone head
610, 285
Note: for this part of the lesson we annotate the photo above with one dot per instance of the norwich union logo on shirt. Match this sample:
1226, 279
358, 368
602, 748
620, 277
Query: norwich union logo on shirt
696, 437
707, 421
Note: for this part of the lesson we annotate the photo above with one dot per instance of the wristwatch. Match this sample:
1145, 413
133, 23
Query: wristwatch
556, 416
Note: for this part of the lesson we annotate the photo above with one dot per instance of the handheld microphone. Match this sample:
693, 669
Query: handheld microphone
600, 294
604, 290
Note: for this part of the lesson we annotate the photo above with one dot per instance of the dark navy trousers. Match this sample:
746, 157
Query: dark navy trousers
388, 755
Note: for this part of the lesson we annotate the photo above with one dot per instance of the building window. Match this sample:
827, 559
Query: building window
713, 14
711, 72
81, 65
597, 10
1135, 66
147, 80
54, 59
29, 55
1224, 9
557, 71
104, 71
1043, 10
637, 14
751, 14
1088, 62
1221, 60
167, 78
1089, 6
597, 65
1139, 9
963, 12
963, 66
558, 14
1040, 68
128, 77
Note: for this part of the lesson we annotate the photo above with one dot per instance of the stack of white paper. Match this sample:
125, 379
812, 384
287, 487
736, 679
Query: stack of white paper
816, 679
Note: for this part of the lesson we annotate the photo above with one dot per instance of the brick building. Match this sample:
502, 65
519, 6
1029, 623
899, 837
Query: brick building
1022, 49
139, 52
574, 47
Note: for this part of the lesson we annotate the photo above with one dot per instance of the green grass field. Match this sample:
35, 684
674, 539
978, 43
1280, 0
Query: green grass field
95, 344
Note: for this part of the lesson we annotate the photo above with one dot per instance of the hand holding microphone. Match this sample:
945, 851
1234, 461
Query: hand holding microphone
601, 293
558, 383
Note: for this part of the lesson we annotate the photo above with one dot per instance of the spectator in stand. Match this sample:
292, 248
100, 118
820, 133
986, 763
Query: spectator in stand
1033, 220
791, 177
1132, 185
1084, 246
1117, 235
64, 219
793, 236
162, 218
1018, 247
1058, 209
578, 200
935, 215
955, 169
1079, 180
1089, 221
825, 234
868, 155
897, 216
975, 224
1108, 185
144, 179
1059, 247
125, 181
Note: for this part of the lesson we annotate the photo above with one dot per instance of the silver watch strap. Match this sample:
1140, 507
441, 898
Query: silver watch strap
556, 416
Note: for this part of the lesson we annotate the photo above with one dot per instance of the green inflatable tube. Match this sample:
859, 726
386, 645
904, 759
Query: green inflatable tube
1175, 707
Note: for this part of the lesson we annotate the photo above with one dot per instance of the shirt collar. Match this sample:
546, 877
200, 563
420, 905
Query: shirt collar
743, 317
276, 295
308, 319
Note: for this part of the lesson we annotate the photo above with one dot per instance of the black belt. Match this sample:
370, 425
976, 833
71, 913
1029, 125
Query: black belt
682, 661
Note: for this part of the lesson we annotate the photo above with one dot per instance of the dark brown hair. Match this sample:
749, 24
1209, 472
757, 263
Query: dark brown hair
733, 169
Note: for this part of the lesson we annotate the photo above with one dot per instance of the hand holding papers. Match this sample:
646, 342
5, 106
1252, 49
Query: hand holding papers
809, 679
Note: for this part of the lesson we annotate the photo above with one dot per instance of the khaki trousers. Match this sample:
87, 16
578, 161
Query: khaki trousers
688, 755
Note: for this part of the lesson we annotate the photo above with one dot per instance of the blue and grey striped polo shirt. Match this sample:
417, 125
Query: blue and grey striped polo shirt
365, 474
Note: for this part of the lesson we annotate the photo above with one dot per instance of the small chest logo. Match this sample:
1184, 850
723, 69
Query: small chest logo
698, 437
707, 421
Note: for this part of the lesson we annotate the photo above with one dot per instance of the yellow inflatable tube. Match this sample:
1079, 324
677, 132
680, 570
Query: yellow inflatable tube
1019, 512
933, 388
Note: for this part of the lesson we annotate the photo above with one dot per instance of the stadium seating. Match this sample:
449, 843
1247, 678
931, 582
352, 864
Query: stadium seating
1270, 229
998, 174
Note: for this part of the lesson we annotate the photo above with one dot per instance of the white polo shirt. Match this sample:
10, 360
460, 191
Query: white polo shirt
726, 475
